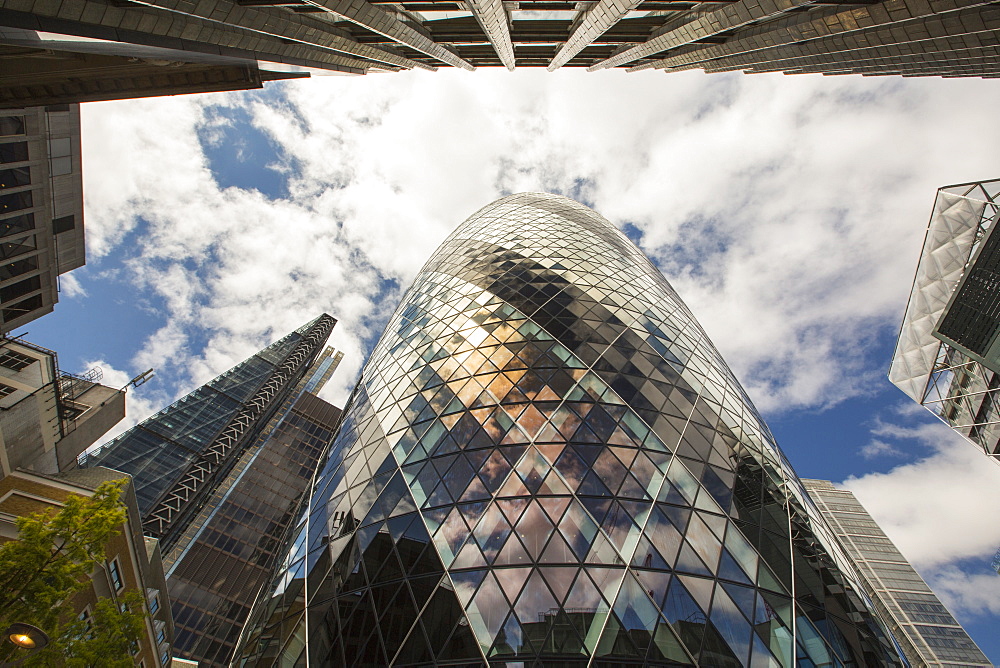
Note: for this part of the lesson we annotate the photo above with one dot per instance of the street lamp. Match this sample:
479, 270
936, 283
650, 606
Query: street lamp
25, 636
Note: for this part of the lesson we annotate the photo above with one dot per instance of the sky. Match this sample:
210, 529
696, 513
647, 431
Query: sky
788, 212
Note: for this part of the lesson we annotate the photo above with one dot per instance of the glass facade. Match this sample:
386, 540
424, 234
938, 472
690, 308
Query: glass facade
928, 634
546, 462
230, 550
178, 456
259, 433
947, 357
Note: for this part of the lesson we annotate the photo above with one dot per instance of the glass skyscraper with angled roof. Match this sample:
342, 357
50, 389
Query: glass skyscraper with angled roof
547, 463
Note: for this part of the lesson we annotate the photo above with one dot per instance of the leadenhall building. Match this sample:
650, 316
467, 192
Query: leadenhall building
547, 463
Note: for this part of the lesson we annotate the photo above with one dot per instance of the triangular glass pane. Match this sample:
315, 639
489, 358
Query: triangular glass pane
666, 646
578, 529
534, 529
558, 551
646, 556
654, 583
487, 611
615, 641
560, 579
535, 601
512, 553
512, 580
689, 562
732, 625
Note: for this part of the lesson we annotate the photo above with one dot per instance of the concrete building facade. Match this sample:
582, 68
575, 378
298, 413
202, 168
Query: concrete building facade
41, 208
903, 37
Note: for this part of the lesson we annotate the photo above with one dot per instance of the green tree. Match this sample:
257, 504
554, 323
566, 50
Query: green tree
49, 564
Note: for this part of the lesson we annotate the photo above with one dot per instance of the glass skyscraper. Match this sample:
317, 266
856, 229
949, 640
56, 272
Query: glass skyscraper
546, 462
928, 634
220, 476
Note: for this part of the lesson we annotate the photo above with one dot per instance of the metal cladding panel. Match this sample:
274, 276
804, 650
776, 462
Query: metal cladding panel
546, 462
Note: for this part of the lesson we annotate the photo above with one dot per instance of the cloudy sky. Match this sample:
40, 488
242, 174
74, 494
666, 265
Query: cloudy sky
787, 210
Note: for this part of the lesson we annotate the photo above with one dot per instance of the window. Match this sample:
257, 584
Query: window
18, 267
22, 308
115, 574
154, 604
20, 289
14, 152
14, 177
60, 156
17, 247
63, 224
6, 390
14, 361
15, 202
19, 223
11, 125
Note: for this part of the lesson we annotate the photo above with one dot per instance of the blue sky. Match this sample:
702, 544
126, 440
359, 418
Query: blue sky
787, 211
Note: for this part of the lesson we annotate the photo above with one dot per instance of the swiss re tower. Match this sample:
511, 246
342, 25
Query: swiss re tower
547, 463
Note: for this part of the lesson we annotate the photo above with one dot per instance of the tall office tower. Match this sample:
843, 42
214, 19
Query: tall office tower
219, 477
948, 355
41, 208
230, 550
938, 37
546, 462
179, 456
926, 631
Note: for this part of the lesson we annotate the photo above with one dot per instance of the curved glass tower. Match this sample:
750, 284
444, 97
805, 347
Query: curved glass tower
546, 462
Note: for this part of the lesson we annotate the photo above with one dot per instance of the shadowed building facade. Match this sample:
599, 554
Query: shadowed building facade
217, 43
546, 462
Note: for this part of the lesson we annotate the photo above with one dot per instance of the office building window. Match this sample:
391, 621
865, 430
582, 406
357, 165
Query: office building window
11, 126
20, 288
60, 156
63, 224
15, 361
14, 177
115, 574
15, 202
13, 152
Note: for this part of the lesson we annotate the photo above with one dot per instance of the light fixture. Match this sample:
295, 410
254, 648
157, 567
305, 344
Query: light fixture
25, 636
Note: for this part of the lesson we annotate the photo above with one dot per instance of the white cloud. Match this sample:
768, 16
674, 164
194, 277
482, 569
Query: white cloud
966, 594
935, 509
70, 286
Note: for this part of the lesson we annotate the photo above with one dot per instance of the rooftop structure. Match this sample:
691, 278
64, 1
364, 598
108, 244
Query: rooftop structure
546, 462
947, 357
910, 38
928, 634
47, 416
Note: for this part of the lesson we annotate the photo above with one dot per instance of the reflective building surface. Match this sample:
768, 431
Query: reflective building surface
927, 632
220, 476
546, 462
947, 357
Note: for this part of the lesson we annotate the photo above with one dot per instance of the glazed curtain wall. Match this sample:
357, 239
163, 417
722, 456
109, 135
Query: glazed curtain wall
546, 462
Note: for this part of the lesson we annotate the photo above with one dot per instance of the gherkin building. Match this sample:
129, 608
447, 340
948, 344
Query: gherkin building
547, 463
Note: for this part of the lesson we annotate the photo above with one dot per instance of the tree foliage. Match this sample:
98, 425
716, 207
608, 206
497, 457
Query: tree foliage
49, 564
